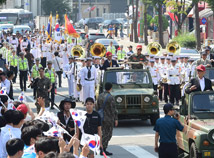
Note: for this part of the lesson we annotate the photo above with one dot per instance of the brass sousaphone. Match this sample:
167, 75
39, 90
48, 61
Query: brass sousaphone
78, 51
173, 47
154, 48
98, 49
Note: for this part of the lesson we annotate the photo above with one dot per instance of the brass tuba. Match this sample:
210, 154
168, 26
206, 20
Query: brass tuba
77, 50
154, 48
98, 49
173, 47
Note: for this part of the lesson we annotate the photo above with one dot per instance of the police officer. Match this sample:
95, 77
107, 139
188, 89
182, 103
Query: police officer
92, 123
121, 53
50, 73
13, 63
173, 75
35, 74
138, 58
111, 48
44, 86
107, 103
165, 129
23, 71
88, 79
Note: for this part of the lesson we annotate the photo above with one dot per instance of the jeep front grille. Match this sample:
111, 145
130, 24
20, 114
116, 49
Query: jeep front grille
133, 101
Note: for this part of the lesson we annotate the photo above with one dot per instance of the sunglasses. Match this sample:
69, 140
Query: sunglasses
139, 49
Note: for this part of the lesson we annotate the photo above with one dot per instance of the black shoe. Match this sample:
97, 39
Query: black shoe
52, 108
25, 90
108, 153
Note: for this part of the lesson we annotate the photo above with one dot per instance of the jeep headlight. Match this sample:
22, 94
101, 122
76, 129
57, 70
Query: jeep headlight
119, 99
146, 99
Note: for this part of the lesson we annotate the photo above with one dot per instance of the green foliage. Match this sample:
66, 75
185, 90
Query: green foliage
211, 3
56, 5
177, 7
149, 19
186, 40
165, 22
3, 1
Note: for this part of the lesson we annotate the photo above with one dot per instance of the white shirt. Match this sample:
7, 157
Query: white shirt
84, 74
10, 134
57, 63
6, 83
202, 83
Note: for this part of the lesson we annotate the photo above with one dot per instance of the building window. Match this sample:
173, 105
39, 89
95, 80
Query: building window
97, 12
104, 10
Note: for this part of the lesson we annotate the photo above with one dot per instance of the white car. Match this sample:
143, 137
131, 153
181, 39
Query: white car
5, 27
20, 28
192, 53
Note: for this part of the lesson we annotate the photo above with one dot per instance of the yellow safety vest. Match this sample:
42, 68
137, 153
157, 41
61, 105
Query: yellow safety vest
111, 49
121, 54
23, 65
50, 76
35, 73
13, 61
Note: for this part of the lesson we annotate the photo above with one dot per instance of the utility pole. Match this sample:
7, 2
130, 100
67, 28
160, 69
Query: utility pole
80, 10
90, 8
128, 4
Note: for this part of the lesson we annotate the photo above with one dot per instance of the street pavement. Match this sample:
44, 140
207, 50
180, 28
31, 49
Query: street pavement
131, 139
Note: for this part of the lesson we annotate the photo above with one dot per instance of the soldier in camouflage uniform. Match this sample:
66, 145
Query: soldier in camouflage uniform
138, 58
43, 88
110, 119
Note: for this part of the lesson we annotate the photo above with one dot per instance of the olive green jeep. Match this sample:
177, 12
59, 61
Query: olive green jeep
133, 92
197, 115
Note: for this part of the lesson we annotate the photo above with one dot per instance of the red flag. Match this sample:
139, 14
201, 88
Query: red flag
172, 16
93, 8
69, 29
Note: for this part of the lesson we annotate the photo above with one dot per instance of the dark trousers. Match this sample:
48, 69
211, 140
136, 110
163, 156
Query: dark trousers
14, 69
23, 80
155, 87
43, 62
59, 74
174, 93
168, 150
52, 94
166, 91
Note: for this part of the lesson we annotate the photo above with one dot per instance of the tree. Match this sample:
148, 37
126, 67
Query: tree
156, 22
197, 25
211, 4
181, 9
2, 1
135, 23
158, 4
62, 7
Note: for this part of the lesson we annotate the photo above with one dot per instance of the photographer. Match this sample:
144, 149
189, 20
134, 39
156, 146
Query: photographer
57, 63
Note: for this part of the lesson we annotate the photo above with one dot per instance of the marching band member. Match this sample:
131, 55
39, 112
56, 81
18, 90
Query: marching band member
44, 50
173, 75
14, 41
69, 74
154, 73
24, 43
88, 79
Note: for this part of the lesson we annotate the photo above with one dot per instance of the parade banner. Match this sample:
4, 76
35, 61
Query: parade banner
57, 35
69, 29
49, 29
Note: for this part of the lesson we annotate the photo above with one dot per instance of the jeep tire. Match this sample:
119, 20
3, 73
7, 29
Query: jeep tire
154, 117
193, 152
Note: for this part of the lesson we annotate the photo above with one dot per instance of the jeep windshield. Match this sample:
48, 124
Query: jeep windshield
126, 78
203, 103
209, 74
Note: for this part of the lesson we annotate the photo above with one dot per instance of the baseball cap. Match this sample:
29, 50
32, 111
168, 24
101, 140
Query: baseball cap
201, 68
204, 53
108, 54
167, 107
139, 46
23, 108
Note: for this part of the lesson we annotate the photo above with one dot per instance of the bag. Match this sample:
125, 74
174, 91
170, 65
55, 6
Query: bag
101, 111
60, 69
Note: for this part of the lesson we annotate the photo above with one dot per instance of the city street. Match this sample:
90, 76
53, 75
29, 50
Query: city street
131, 139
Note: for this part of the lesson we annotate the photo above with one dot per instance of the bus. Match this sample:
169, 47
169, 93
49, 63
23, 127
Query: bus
16, 17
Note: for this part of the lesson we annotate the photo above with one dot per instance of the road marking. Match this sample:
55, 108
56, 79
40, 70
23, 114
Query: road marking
145, 135
138, 151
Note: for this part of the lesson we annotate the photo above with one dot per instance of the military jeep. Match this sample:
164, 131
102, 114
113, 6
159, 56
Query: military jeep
133, 92
197, 115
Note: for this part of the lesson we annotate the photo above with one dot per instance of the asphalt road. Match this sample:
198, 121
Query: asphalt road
131, 139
